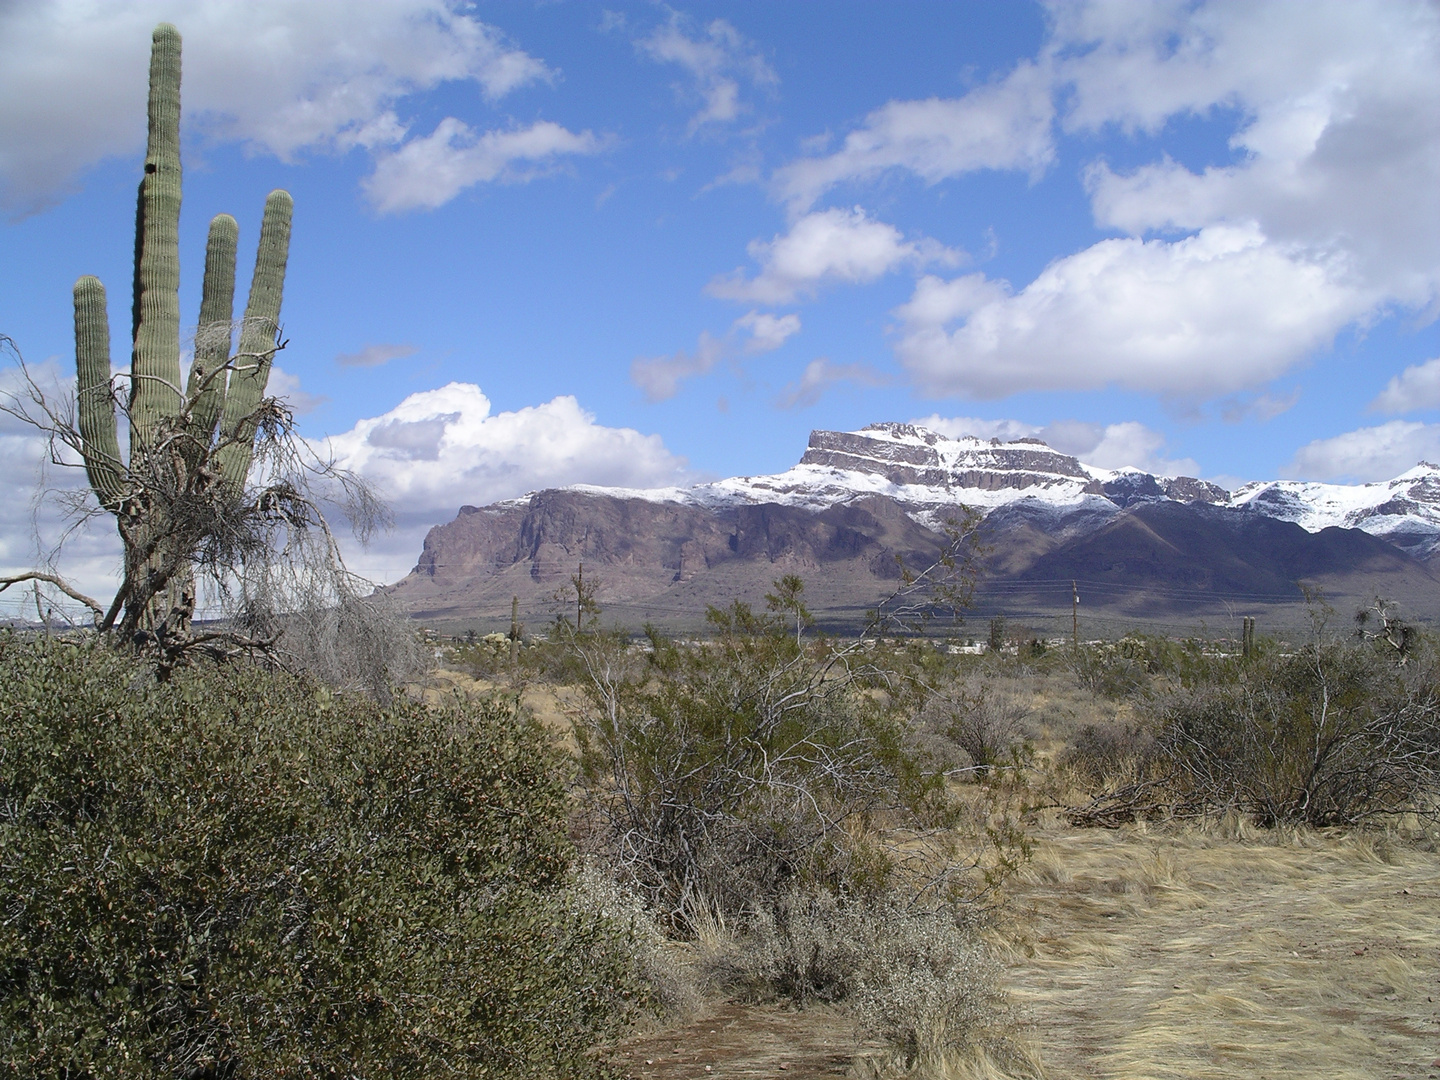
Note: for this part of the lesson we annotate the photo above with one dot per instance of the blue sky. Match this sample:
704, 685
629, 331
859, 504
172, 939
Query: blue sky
544, 243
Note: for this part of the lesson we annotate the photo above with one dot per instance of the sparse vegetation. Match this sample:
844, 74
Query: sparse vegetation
1338, 732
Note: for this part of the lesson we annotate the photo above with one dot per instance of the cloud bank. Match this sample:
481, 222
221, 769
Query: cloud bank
282, 77
441, 449
1323, 218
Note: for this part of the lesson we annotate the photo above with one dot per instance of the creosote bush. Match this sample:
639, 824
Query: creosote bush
720, 776
238, 873
1336, 734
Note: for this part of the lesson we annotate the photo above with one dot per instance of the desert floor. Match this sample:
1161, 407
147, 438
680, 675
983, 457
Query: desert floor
1142, 952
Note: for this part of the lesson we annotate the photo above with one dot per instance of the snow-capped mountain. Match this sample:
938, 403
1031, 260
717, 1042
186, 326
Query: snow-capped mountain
1404, 511
858, 501
931, 473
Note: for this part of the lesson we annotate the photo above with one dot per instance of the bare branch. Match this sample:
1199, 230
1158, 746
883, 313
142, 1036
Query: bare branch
59, 583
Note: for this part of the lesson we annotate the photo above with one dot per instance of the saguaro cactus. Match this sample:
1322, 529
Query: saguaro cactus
190, 447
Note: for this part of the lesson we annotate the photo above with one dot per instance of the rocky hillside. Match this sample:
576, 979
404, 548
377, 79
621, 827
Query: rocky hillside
857, 501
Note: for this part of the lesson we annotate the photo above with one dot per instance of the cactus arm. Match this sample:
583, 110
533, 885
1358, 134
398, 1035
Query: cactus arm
251, 369
206, 392
100, 446
155, 362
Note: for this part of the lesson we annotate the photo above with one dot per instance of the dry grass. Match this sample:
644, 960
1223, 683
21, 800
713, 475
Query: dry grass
1217, 952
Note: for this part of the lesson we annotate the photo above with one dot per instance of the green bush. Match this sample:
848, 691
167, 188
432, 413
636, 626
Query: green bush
235, 873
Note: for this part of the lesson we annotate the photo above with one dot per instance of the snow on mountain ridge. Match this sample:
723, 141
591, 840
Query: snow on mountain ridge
932, 475
1405, 510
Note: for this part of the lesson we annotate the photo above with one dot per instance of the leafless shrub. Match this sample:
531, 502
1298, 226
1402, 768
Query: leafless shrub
721, 775
918, 978
984, 720
1103, 755
1338, 733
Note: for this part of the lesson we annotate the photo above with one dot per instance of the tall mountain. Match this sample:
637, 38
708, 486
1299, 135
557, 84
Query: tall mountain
1143, 545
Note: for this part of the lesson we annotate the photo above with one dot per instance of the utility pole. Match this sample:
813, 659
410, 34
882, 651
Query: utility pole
514, 630
1075, 618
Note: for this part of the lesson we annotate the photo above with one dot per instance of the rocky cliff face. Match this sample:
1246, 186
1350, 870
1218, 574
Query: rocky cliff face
910, 456
861, 504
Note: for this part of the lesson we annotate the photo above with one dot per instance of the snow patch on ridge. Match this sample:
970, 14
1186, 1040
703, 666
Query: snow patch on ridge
933, 476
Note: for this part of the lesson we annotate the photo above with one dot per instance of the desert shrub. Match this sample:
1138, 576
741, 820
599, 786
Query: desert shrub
919, 978
237, 873
802, 947
1102, 754
722, 775
930, 989
1128, 667
1335, 734
981, 718
1111, 669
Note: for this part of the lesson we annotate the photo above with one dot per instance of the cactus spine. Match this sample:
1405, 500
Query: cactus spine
176, 460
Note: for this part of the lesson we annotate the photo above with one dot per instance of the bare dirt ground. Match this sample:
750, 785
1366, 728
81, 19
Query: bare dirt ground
732, 1040
1166, 952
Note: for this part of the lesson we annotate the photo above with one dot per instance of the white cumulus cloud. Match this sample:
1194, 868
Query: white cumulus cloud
281, 76
1003, 125
1334, 118
829, 246
1337, 143
1415, 388
767, 332
430, 170
441, 449
718, 59
1373, 453
1208, 315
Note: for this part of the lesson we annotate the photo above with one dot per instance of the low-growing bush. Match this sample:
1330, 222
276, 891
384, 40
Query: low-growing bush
236, 873
1107, 754
1339, 732
981, 719
919, 979
719, 776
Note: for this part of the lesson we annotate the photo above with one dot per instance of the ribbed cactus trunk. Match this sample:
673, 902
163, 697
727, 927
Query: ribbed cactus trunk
191, 447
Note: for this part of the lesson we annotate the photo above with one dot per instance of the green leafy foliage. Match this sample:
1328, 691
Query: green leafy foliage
235, 873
